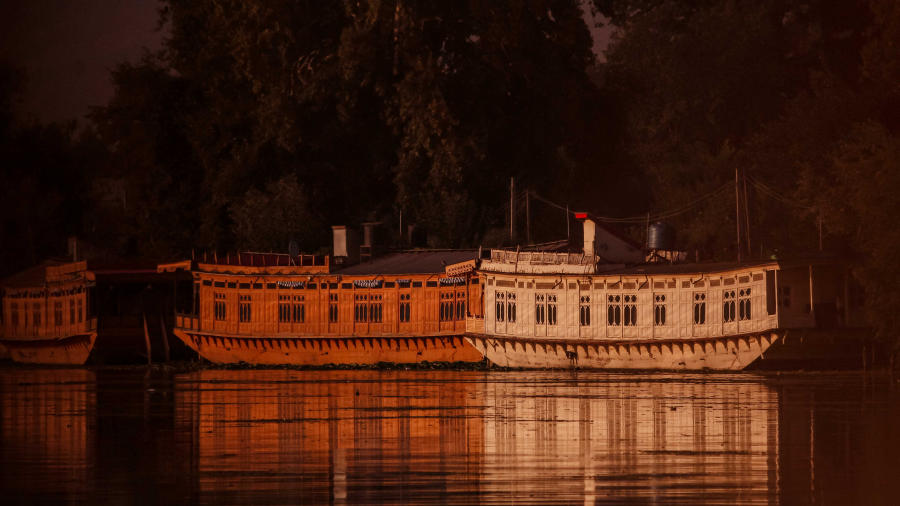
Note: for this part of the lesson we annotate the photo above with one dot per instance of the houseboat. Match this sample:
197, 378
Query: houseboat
308, 310
46, 314
601, 309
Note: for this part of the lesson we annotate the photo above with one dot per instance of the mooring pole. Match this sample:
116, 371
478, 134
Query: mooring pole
147, 340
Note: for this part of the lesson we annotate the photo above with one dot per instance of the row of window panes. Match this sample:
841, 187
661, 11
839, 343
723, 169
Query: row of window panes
288, 312
367, 312
450, 310
57, 313
622, 310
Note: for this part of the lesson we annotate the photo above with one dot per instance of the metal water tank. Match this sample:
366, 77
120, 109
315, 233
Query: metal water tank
661, 236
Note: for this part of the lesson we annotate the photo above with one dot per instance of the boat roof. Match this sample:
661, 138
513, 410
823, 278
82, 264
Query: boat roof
32, 276
410, 262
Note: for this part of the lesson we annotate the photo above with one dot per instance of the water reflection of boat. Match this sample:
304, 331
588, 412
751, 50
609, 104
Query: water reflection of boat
622, 439
360, 436
47, 433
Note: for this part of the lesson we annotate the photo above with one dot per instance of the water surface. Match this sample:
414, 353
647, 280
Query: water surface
138, 436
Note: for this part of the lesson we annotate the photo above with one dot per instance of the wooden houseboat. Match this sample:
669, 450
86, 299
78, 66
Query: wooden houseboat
46, 314
259, 308
586, 310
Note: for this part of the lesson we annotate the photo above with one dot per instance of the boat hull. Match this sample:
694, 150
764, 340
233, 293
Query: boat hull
69, 350
721, 353
320, 351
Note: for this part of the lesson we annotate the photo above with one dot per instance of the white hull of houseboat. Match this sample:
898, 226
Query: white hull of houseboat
727, 353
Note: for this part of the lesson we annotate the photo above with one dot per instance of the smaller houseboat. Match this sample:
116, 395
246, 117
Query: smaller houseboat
46, 314
601, 309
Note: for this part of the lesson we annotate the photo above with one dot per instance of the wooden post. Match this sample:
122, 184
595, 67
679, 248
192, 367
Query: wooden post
165, 336
812, 304
147, 340
737, 213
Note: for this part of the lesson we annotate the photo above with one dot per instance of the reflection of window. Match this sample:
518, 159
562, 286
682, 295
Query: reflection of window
219, 306
244, 308
404, 307
71, 311
80, 310
584, 311
659, 310
511, 307
499, 306
744, 304
14, 314
57, 313
629, 310
728, 306
699, 308
36, 317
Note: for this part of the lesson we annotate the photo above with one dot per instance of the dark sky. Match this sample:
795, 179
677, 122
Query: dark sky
67, 48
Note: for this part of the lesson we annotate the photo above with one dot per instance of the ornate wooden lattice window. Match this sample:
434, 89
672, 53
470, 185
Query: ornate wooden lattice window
284, 308
219, 306
361, 308
744, 304
584, 311
659, 309
14, 314
332, 308
460, 305
699, 308
511, 307
376, 308
245, 308
57, 313
404, 307
551, 309
613, 310
540, 308
299, 310
629, 310
728, 306
499, 306
71, 311
80, 310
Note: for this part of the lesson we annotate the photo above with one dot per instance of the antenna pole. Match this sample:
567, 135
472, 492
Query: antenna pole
747, 215
512, 210
737, 213
528, 216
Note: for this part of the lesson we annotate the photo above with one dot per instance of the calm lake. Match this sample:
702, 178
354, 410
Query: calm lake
159, 436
